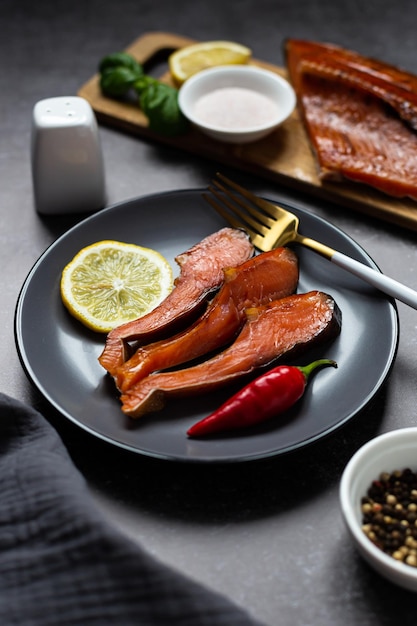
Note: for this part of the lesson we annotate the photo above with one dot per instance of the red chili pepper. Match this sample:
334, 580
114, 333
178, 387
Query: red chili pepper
268, 395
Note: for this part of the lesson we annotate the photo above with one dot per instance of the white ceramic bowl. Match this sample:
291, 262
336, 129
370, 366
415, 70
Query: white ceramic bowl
261, 82
391, 451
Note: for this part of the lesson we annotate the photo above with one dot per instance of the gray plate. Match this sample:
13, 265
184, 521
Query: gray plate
59, 355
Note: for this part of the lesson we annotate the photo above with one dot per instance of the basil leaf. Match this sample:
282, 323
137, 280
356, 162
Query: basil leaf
116, 82
120, 59
159, 102
121, 73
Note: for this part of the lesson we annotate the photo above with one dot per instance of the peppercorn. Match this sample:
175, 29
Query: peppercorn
389, 514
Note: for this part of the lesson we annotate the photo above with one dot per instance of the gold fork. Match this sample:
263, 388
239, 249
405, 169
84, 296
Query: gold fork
269, 226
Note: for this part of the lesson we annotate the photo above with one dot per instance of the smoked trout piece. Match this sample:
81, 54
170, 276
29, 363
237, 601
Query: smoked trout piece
283, 327
360, 115
262, 279
201, 272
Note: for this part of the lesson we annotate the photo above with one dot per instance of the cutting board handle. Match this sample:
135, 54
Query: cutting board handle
157, 43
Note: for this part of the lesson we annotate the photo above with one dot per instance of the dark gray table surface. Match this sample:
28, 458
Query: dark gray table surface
269, 535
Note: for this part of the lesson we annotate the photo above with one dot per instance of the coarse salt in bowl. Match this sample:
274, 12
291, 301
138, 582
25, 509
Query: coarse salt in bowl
236, 103
396, 450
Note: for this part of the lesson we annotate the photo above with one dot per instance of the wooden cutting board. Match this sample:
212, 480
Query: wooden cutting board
284, 156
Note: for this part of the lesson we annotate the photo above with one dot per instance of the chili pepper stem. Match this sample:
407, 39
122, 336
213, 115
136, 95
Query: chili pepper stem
308, 369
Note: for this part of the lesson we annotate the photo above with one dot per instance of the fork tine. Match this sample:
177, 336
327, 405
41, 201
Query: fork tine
235, 205
267, 225
235, 223
229, 217
264, 205
259, 221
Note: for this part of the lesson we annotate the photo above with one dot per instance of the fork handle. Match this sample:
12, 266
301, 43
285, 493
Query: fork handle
384, 283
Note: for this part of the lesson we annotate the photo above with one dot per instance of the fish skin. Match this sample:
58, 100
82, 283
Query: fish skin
395, 86
360, 115
283, 327
262, 279
201, 273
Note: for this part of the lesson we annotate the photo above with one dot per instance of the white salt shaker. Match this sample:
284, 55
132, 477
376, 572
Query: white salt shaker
67, 163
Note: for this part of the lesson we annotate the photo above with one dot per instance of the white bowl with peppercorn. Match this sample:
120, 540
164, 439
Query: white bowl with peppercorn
378, 497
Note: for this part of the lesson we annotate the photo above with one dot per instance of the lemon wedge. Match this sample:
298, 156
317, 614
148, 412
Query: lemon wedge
109, 283
189, 60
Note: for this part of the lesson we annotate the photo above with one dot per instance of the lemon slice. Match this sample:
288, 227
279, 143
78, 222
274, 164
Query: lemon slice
109, 283
189, 60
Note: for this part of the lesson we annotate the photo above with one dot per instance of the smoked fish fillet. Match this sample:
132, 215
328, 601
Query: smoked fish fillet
286, 326
201, 272
360, 115
262, 279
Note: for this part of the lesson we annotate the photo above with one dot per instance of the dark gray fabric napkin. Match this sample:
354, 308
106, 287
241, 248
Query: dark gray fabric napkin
61, 563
